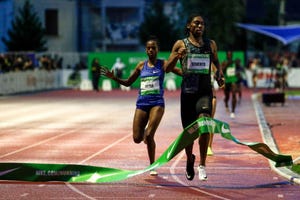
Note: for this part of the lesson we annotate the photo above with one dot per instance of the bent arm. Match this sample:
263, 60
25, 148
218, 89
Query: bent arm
215, 60
178, 51
177, 71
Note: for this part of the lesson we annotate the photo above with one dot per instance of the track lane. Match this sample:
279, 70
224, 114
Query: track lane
235, 172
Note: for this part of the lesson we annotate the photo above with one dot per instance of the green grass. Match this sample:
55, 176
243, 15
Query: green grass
296, 168
292, 92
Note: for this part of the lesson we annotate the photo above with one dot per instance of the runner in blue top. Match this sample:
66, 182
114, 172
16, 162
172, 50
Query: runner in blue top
150, 103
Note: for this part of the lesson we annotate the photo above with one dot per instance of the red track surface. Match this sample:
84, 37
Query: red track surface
95, 129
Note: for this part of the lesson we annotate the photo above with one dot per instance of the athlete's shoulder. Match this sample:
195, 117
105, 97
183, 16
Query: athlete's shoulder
180, 42
212, 45
140, 65
161, 61
212, 42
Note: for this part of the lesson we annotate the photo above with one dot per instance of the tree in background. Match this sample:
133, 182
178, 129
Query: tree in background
27, 33
269, 17
157, 24
221, 17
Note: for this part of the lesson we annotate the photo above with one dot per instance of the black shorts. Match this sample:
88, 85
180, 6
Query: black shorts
230, 87
192, 105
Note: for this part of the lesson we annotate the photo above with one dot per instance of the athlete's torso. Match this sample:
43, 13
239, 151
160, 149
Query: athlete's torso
196, 67
230, 73
151, 87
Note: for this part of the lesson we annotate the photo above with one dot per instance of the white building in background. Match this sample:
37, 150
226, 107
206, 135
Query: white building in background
59, 18
82, 25
109, 25
86, 25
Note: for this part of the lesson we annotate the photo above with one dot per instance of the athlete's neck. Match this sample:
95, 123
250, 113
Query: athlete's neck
152, 62
197, 41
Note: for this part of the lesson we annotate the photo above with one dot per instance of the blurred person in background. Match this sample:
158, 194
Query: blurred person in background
241, 79
118, 68
96, 74
230, 90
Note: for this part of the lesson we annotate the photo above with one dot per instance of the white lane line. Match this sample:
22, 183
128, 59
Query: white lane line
52, 111
74, 189
270, 141
172, 171
38, 143
104, 149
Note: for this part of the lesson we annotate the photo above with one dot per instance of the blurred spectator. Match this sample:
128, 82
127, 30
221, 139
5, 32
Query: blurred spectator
118, 68
281, 72
254, 66
74, 78
241, 78
294, 61
96, 73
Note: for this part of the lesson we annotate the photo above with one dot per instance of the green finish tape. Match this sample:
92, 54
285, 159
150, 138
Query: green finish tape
93, 174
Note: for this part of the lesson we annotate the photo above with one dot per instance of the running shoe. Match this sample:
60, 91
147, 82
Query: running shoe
232, 115
202, 173
209, 152
227, 109
153, 173
190, 172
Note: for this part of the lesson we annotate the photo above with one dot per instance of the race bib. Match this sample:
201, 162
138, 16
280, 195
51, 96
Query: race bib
198, 63
230, 71
150, 85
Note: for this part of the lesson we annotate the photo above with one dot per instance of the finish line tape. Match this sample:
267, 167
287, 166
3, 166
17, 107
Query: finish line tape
93, 174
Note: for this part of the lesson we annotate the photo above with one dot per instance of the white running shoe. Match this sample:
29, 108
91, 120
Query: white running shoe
232, 115
153, 173
202, 173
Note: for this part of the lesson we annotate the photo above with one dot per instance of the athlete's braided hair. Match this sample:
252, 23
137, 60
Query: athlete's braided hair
189, 20
153, 38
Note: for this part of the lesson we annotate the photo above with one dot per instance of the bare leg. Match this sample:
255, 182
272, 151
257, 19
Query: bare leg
214, 105
226, 99
155, 117
203, 143
233, 101
140, 121
189, 152
211, 135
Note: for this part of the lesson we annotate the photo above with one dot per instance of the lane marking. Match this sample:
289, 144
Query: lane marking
176, 178
36, 144
104, 149
268, 138
74, 189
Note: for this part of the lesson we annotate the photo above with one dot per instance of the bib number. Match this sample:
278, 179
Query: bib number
150, 85
198, 63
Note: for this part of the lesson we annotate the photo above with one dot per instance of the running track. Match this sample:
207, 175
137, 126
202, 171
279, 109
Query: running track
85, 127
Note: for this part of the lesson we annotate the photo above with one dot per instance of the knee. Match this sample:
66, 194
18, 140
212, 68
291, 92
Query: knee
149, 139
137, 139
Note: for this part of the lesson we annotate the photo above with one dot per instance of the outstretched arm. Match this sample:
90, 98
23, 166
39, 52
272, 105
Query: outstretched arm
126, 82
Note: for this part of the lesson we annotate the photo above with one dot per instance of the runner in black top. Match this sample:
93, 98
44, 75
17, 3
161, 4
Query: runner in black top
196, 54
